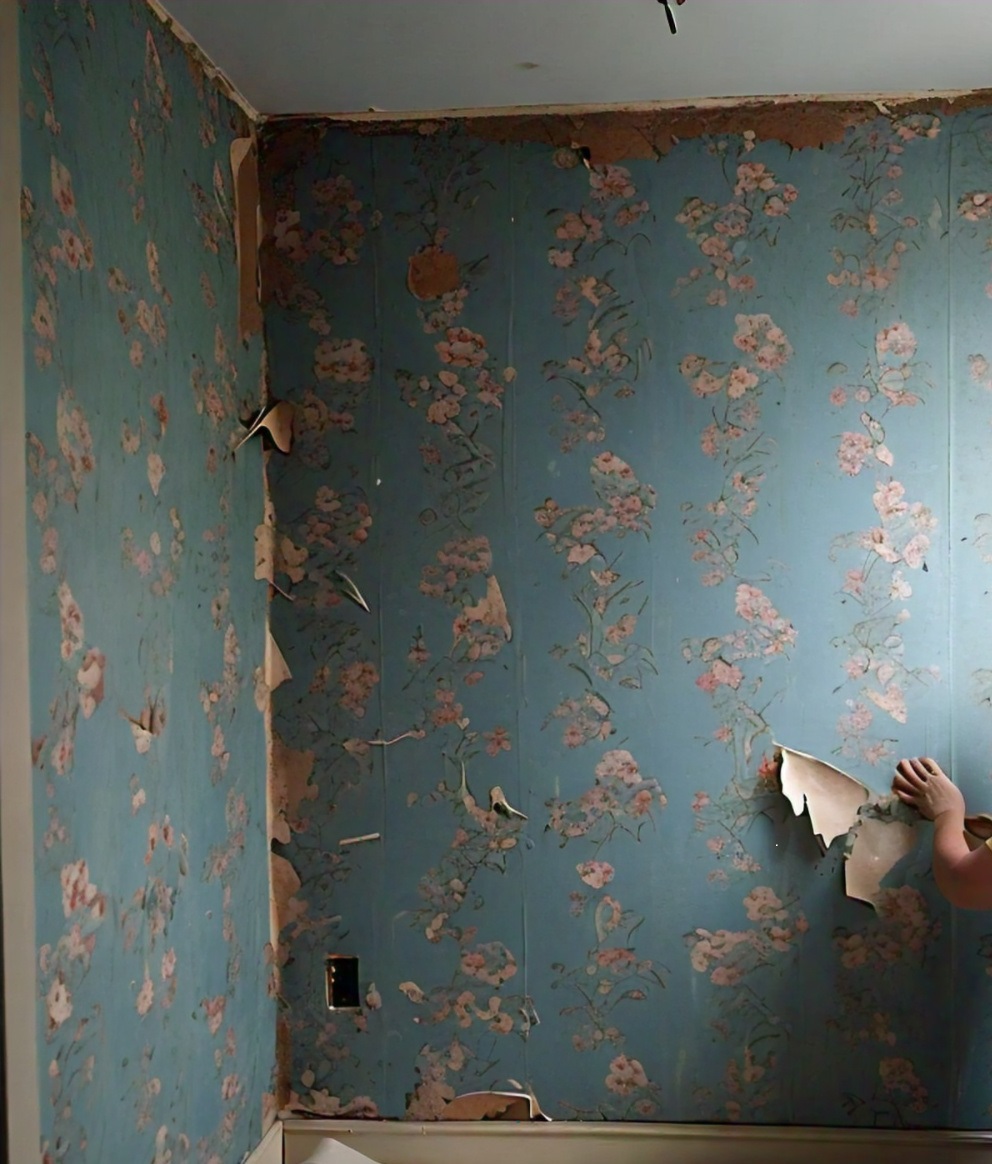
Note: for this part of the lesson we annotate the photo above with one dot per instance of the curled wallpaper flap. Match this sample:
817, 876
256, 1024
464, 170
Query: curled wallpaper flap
831, 796
276, 668
493, 1105
276, 419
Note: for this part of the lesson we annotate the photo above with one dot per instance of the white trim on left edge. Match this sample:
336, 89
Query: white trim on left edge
269, 1151
16, 820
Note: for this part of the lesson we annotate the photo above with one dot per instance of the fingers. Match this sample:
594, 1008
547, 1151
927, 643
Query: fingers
918, 770
901, 784
909, 796
913, 783
911, 775
921, 783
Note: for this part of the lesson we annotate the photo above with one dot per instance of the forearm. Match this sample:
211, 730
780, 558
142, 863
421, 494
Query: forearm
962, 875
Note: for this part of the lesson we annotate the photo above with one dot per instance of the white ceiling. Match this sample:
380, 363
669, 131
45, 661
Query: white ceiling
335, 56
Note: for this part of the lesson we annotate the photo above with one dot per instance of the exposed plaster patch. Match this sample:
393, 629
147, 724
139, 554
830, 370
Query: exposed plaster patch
626, 132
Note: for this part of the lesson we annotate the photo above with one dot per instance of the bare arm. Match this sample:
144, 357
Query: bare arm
963, 876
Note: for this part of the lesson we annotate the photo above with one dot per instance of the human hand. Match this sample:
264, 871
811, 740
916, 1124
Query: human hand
922, 784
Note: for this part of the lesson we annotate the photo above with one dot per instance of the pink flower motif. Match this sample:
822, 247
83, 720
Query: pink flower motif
753, 176
287, 234
706, 384
914, 553
625, 1076
78, 892
578, 555
726, 975
975, 206
752, 604
583, 226
58, 1003
628, 215
498, 740
90, 680
762, 904
854, 450
62, 189
726, 674
156, 471
596, 874
43, 319
560, 258
213, 1008
888, 500
740, 381
343, 361
613, 465
897, 340
761, 338
357, 681
71, 618
892, 700
608, 183
462, 348
622, 629
979, 367
619, 764
146, 996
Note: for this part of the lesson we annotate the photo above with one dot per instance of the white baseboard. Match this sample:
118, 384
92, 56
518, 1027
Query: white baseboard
591, 1143
270, 1150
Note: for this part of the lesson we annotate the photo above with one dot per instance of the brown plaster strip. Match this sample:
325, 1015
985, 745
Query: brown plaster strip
636, 131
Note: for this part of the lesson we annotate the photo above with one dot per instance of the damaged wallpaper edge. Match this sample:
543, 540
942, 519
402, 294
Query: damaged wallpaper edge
200, 61
627, 132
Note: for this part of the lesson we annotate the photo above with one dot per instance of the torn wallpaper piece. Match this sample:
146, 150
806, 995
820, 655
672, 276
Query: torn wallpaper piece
832, 797
879, 845
493, 1105
276, 668
276, 419
838, 804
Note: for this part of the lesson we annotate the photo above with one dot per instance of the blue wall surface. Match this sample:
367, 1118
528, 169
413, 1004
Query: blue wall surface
640, 468
156, 1024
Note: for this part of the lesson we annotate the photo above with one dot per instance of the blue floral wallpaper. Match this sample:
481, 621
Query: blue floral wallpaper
640, 468
156, 1021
